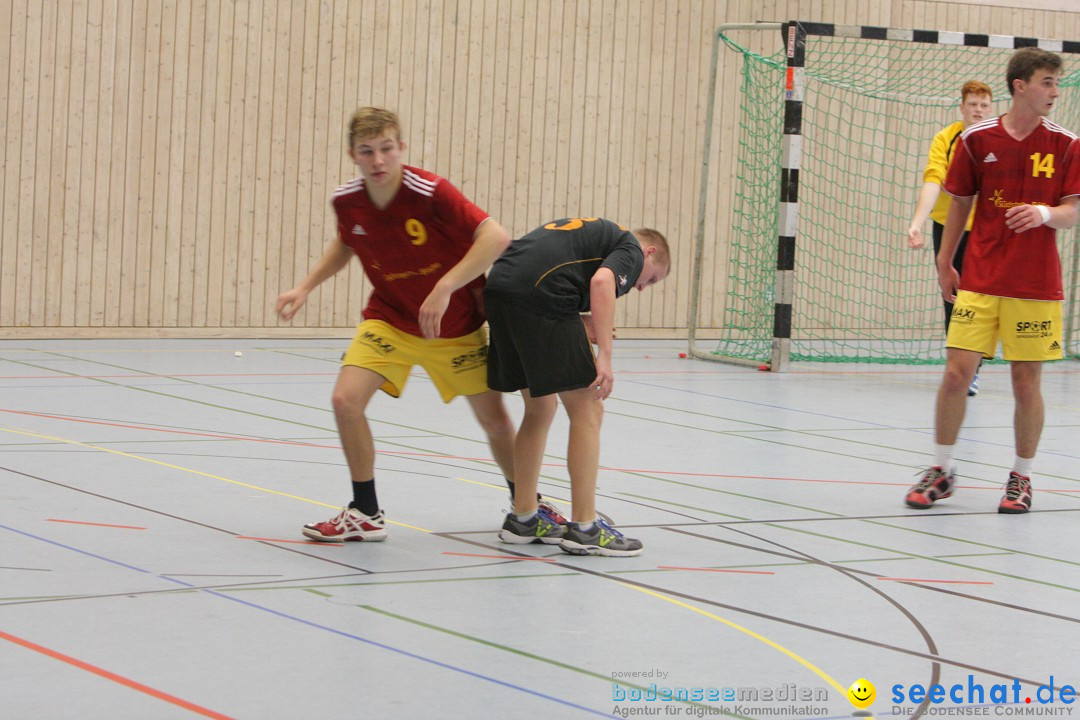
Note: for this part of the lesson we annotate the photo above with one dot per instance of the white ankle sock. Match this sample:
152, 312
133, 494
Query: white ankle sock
1022, 466
943, 457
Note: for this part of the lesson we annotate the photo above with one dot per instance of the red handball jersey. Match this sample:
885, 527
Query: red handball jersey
1041, 169
407, 246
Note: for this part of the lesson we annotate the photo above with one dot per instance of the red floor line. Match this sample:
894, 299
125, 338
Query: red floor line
500, 557
169, 430
719, 570
946, 582
94, 524
150, 376
405, 453
126, 682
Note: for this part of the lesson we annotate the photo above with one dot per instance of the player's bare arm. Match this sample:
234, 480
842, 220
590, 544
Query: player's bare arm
928, 195
587, 319
948, 278
335, 257
602, 304
489, 242
1027, 217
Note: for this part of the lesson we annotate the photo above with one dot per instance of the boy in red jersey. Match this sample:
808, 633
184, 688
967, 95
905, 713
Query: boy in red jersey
1025, 172
425, 248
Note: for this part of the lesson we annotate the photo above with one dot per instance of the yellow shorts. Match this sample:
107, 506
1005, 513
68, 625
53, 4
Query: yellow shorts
457, 366
1030, 330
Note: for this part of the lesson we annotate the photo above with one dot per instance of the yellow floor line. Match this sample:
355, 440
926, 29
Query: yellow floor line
189, 470
761, 638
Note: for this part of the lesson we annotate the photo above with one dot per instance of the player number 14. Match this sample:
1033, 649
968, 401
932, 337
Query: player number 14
1040, 164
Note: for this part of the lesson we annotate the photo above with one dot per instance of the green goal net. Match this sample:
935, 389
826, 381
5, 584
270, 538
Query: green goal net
870, 109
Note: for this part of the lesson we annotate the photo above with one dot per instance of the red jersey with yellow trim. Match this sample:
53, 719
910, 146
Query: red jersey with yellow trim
1041, 169
408, 245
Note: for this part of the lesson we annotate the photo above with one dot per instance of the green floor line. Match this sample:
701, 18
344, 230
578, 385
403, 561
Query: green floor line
217, 406
396, 582
220, 388
796, 564
305, 588
643, 475
531, 656
995, 548
938, 559
810, 433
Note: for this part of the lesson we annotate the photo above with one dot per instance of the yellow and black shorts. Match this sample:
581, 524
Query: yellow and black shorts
1029, 330
457, 366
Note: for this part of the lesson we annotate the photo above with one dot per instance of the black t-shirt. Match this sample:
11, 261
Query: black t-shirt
549, 269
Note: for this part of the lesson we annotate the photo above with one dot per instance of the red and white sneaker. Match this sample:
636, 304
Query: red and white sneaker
935, 485
349, 524
552, 511
1017, 497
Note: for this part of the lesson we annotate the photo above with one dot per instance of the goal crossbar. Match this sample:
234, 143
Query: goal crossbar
786, 299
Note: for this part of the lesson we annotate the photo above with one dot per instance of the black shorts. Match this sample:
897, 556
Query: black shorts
529, 350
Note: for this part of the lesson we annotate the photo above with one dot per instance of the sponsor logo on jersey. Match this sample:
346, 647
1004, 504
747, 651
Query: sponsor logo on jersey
420, 272
383, 347
1055, 346
963, 315
999, 200
470, 360
1034, 329
358, 230
990, 158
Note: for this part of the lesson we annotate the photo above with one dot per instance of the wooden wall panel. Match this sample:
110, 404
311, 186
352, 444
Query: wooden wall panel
168, 163
10, 131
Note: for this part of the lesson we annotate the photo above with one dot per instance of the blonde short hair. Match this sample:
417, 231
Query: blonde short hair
647, 237
371, 122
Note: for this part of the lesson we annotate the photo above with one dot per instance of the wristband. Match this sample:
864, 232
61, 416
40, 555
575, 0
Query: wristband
1045, 212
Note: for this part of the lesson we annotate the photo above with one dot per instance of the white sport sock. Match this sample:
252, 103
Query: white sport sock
1022, 466
943, 457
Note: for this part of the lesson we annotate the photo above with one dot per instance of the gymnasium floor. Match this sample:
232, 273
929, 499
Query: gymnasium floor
151, 565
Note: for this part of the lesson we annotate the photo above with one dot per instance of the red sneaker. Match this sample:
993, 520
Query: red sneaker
935, 485
1017, 498
349, 524
552, 512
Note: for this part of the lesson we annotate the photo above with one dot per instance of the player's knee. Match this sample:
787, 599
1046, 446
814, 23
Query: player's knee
495, 426
586, 414
541, 410
347, 404
957, 379
492, 415
1026, 389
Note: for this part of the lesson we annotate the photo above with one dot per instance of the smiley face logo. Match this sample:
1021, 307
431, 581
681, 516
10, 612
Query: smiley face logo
862, 693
